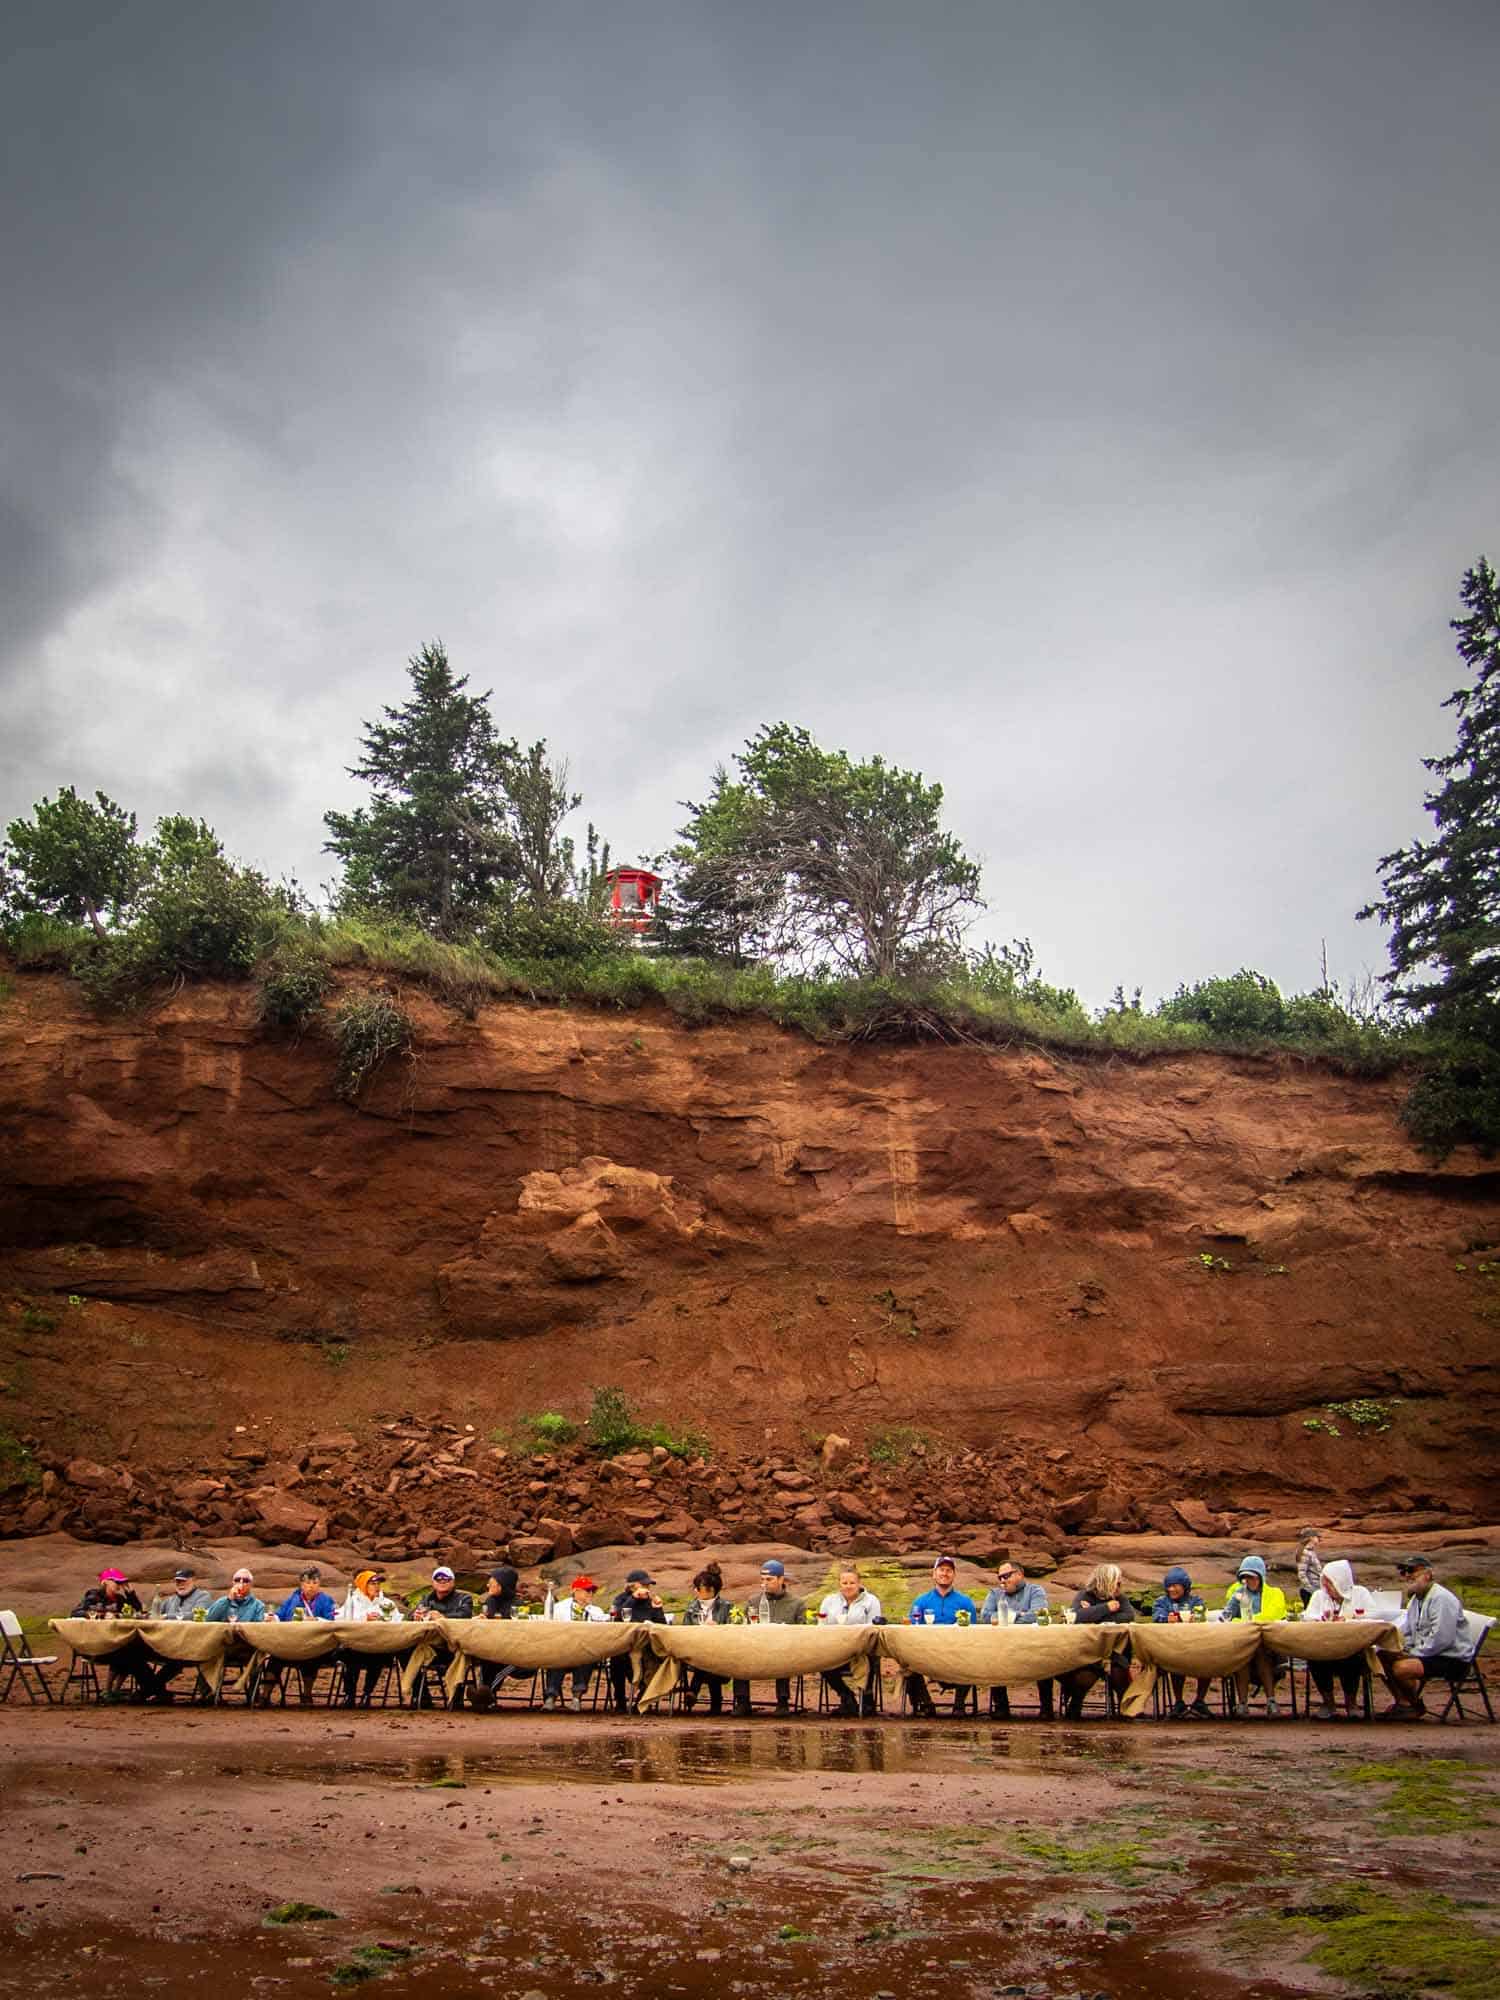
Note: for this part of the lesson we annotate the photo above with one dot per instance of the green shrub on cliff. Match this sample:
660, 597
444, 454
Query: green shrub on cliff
614, 1427
293, 985
368, 1028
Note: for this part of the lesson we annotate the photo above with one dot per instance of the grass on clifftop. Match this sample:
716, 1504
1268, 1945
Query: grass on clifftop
298, 952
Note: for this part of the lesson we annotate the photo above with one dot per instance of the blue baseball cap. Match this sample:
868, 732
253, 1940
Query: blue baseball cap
770, 1567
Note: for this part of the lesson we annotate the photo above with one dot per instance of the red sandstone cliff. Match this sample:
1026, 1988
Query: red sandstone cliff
766, 1237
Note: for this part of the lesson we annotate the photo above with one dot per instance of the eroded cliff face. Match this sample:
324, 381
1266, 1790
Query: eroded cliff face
745, 1230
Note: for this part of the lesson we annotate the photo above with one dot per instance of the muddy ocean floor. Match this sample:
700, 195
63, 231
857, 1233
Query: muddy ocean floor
152, 1852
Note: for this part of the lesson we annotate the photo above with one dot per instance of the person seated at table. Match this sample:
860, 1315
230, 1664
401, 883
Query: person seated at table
1251, 1597
578, 1607
308, 1600
1309, 1562
1337, 1596
850, 1604
114, 1597
239, 1605
1015, 1601
709, 1607
1439, 1637
1102, 1601
775, 1606
938, 1606
637, 1604
181, 1604
1179, 1604
366, 1604
185, 1599
499, 1601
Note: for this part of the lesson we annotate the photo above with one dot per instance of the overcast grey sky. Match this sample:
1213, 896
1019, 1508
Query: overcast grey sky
1092, 406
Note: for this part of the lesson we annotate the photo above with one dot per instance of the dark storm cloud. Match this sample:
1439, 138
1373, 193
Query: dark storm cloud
1090, 406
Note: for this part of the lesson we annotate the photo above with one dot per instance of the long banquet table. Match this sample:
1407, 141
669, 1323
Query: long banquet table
972, 1656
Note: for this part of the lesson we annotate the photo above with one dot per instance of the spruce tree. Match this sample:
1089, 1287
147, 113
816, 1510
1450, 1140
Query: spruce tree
435, 839
1441, 897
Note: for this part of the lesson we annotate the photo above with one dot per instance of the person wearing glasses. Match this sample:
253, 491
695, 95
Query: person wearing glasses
1015, 1601
239, 1605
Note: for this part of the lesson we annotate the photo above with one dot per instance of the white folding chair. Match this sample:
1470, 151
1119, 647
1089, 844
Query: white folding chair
18, 1662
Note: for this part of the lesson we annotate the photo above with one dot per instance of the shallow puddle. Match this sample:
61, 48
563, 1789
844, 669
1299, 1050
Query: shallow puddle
727, 1754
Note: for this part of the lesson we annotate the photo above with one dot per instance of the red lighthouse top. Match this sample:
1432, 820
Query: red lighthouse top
633, 896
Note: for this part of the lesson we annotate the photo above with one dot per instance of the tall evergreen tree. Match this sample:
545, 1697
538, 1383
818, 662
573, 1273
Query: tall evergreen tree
1441, 897
435, 838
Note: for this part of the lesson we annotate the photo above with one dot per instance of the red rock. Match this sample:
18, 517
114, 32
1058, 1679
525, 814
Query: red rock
851, 1508
1195, 1515
292, 1519
677, 1528
559, 1533
528, 1550
92, 1478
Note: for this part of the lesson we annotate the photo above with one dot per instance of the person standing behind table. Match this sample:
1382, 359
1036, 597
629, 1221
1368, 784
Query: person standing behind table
1014, 1601
1102, 1601
1179, 1604
1439, 1635
1337, 1596
637, 1604
850, 1604
443, 1600
938, 1606
578, 1607
113, 1597
709, 1607
1309, 1562
1251, 1597
775, 1606
366, 1604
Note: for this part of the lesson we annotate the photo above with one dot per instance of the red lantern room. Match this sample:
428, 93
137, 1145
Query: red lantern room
633, 896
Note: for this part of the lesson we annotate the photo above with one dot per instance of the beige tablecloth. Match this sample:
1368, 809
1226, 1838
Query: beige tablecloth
179, 1640
756, 1653
534, 1645
998, 1655
301, 1641
1238, 1650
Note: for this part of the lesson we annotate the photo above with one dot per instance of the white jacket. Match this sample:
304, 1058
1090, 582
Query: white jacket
358, 1607
566, 1612
863, 1611
1356, 1600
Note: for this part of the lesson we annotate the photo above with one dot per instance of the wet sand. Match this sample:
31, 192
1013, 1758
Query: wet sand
539, 1856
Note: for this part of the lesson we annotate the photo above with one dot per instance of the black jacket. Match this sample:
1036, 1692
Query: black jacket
93, 1604
632, 1610
699, 1613
457, 1604
1096, 1611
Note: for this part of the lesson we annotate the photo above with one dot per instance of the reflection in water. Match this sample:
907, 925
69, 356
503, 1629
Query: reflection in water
724, 1755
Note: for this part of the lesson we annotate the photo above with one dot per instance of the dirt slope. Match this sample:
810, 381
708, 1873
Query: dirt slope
765, 1238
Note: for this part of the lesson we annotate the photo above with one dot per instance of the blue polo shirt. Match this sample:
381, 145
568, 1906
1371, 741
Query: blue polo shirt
944, 1605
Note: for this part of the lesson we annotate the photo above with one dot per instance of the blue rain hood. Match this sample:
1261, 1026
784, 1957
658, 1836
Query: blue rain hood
1177, 1575
1256, 1563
